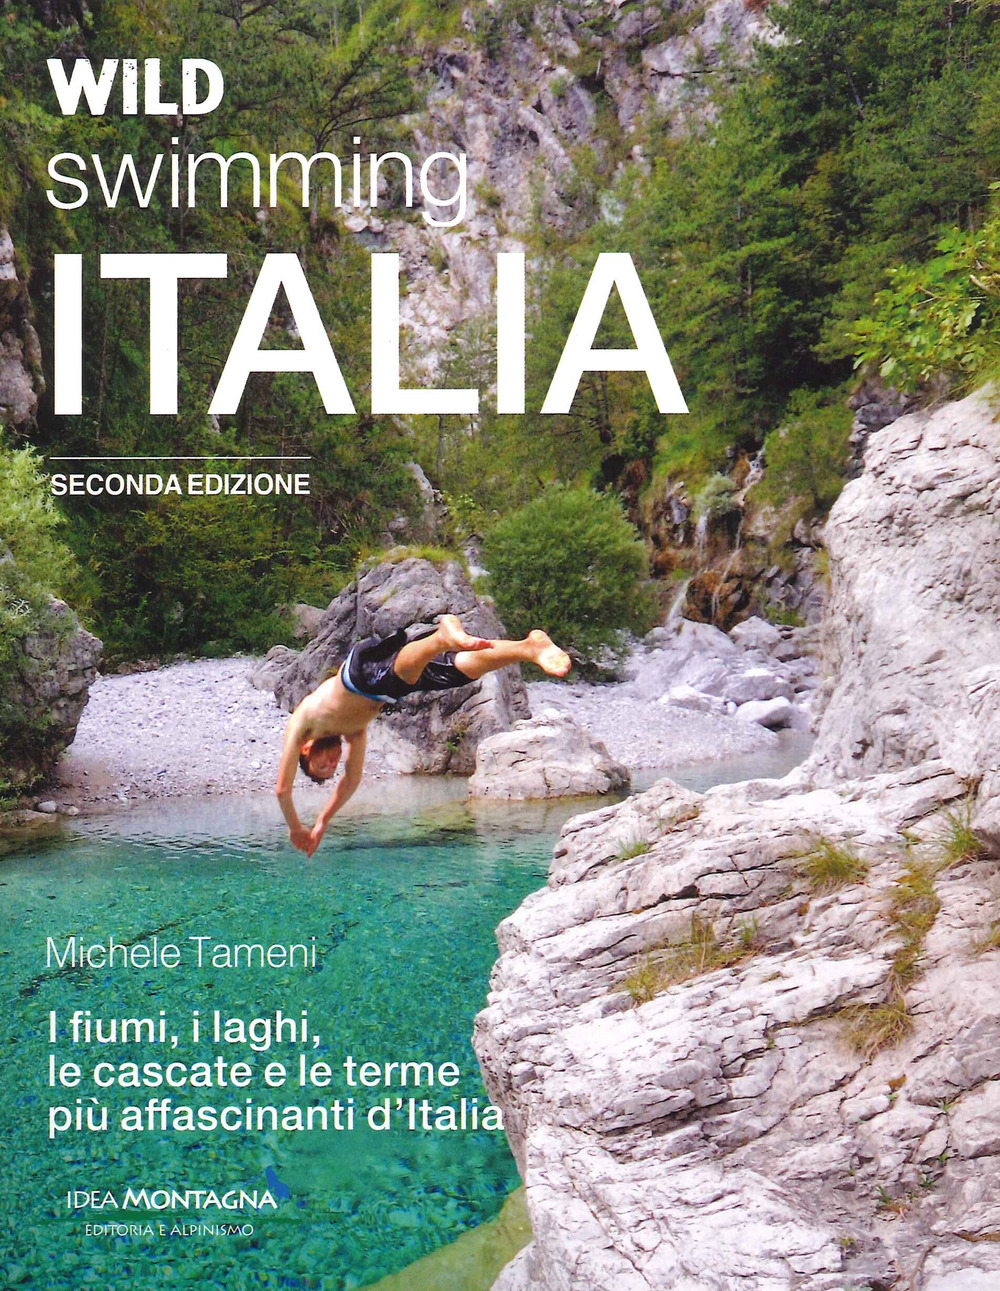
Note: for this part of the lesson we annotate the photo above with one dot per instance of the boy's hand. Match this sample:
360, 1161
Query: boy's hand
315, 837
302, 839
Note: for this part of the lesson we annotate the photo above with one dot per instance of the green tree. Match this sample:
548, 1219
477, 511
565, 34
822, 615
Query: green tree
939, 316
807, 453
570, 562
300, 75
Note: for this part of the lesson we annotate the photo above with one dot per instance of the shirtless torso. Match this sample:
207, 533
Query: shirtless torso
330, 709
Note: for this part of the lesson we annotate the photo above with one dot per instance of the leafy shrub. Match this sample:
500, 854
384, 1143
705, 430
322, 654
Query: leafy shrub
207, 575
571, 563
717, 498
807, 454
29, 522
939, 316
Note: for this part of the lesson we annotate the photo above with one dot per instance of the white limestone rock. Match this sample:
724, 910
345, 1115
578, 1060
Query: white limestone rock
722, 1133
775, 714
266, 672
306, 621
756, 634
912, 637
548, 756
423, 733
695, 701
758, 684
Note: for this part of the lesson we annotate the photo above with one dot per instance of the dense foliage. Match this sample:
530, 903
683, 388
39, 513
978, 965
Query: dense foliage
845, 150
571, 563
159, 578
938, 319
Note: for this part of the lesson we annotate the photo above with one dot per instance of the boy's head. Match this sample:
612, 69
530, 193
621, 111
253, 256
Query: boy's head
319, 758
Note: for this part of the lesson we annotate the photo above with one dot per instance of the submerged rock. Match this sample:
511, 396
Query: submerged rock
423, 733
548, 756
751, 1039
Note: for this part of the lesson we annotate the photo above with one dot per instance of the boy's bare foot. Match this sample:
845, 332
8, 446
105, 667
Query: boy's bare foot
454, 637
547, 654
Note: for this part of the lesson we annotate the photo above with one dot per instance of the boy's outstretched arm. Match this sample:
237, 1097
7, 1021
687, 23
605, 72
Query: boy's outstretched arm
296, 733
349, 780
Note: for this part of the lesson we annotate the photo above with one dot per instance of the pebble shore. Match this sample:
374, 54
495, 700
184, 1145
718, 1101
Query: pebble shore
197, 727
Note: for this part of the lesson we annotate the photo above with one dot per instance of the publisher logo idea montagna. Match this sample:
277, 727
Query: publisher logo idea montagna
282, 272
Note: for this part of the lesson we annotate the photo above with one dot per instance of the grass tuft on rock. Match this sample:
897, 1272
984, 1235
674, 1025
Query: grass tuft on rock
913, 908
700, 952
989, 941
962, 843
638, 847
826, 865
871, 1028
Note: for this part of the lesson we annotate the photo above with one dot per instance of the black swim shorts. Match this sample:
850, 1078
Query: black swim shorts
368, 669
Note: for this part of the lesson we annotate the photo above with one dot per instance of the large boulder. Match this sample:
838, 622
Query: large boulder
774, 713
423, 733
306, 620
756, 634
548, 756
45, 691
267, 672
912, 635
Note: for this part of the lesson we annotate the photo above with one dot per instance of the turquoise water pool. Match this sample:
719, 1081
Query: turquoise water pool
403, 905
402, 899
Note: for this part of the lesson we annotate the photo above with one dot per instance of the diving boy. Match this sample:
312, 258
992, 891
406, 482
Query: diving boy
332, 722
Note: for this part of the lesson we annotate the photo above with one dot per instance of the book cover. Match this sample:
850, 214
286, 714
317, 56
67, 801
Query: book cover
498, 684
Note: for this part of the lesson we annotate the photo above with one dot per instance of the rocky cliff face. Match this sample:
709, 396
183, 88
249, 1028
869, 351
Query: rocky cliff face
750, 1038
911, 639
521, 92
423, 733
44, 688
20, 353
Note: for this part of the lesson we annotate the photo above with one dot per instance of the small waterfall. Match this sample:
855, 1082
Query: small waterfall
754, 475
701, 535
756, 471
724, 575
676, 605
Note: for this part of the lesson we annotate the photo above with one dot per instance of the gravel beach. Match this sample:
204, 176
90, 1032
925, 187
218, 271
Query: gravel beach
190, 728
644, 734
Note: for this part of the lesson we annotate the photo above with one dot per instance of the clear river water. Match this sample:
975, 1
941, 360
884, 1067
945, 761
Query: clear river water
402, 899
